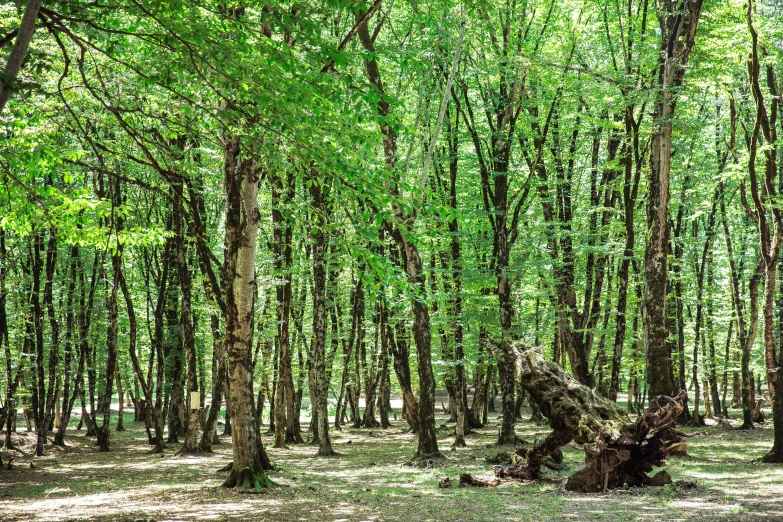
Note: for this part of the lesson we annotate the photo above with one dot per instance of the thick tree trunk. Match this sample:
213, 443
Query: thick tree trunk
678, 31
173, 351
505, 358
506, 362
427, 443
242, 224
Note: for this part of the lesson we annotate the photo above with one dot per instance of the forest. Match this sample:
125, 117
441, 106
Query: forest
381, 260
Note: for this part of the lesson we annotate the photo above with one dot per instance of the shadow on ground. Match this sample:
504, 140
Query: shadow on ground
370, 481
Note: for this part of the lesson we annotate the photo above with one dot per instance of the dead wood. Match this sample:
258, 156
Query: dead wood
467, 480
617, 450
758, 415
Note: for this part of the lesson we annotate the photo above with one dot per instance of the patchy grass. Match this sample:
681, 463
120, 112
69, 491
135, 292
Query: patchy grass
370, 482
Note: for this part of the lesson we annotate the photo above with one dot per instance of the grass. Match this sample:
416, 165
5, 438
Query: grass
370, 482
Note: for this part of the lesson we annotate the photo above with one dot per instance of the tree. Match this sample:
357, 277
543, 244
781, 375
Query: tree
678, 36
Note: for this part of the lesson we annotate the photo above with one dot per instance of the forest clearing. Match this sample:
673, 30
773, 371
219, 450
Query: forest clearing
718, 481
391, 260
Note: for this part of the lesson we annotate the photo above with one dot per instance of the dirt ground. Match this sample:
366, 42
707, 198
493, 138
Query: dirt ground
370, 482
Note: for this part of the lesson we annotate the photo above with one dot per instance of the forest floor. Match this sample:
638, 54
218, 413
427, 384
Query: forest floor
719, 480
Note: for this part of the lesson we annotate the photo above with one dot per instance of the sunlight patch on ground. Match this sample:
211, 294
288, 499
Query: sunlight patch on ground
370, 483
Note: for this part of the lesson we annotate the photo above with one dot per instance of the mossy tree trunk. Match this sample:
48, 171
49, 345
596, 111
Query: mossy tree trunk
617, 450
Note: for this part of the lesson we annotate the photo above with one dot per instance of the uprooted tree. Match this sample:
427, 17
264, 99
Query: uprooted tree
617, 450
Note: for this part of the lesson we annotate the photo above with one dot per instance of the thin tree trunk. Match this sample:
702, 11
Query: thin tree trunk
318, 383
152, 418
191, 444
111, 340
427, 441
281, 246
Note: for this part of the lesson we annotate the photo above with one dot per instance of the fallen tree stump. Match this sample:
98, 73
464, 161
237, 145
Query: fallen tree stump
614, 460
617, 450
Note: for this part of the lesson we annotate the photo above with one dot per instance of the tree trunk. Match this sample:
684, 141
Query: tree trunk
67, 399
318, 382
111, 340
53, 382
121, 401
242, 224
152, 418
188, 334
218, 377
19, 50
10, 400
281, 246
678, 31
427, 442
36, 336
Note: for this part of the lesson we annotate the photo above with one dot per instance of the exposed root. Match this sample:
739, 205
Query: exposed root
426, 461
772, 458
328, 453
192, 452
514, 440
625, 457
617, 450
248, 480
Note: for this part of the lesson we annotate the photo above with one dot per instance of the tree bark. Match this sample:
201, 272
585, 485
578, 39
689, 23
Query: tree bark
19, 51
281, 246
318, 383
188, 334
678, 31
242, 224
427, 441
111, 338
